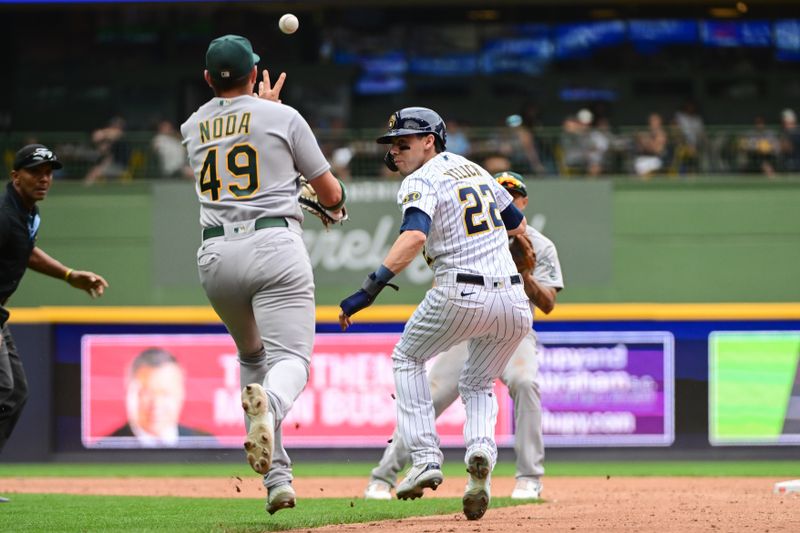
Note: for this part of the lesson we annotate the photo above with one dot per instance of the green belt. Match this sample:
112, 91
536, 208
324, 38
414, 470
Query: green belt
261, 223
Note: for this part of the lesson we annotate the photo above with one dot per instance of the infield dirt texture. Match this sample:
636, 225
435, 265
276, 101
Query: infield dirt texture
575, 503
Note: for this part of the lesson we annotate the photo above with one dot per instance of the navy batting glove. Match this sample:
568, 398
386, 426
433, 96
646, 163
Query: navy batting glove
356, 302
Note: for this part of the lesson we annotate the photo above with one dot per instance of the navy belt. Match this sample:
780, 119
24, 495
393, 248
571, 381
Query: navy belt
261, 223
474, 279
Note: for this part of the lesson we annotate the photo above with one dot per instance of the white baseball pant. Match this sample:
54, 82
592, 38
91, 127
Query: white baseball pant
493, 318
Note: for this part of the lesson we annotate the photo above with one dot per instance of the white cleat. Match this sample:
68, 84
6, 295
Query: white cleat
527, 489
427, 476
280, 497
479, 487
260, 440
378, 490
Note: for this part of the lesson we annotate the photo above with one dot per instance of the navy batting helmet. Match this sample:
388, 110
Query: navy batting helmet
414, 121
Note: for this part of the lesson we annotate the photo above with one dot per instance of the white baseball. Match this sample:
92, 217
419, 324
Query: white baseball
288, 23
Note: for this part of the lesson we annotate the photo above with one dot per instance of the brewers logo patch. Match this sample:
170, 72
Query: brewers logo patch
411, 197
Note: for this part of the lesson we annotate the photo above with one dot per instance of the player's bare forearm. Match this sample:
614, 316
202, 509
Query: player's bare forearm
542, 296
92, 283
328, 189
404, 250
519, 229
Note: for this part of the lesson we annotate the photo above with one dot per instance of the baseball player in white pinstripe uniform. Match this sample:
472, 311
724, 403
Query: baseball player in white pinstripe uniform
520, 375
248, 152
458, 216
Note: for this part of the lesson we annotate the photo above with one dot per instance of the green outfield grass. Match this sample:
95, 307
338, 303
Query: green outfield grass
67, 513
451, 469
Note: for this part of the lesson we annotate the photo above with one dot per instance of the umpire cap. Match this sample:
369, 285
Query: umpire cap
230, 57
34, 155
512, 182
415, 121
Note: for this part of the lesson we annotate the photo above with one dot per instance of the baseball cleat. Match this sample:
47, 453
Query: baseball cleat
428, 476
280, 497
378, 490
527, 489
478, 491
260, 440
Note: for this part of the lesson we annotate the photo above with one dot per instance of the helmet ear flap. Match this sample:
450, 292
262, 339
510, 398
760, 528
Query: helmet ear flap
388, 160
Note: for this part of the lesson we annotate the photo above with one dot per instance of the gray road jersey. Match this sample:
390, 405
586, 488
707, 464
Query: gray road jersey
548, 269
247, 155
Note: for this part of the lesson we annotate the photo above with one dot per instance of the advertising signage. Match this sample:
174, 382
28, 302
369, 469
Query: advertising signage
598, 389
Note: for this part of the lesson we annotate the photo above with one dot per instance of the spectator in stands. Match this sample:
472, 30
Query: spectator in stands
651, 147
340, 162
524, 153
113, 152
495, 163
168, 148
790, 141
578, 154
457, 141
691, 138
760, 147
612, 149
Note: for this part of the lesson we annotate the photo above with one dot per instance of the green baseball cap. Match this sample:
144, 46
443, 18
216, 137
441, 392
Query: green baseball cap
230, 57
512, 182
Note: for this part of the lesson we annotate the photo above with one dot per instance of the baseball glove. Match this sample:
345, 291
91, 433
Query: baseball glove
523, 253
309, 202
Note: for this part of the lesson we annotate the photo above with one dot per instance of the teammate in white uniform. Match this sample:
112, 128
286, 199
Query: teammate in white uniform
520, 375
461, 217
248, 152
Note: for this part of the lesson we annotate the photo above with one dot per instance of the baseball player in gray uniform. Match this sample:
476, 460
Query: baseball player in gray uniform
248, 152
520, 375
458, 214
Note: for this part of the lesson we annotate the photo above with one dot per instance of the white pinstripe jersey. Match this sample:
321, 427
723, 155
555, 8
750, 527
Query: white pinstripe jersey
247, 155
464, 203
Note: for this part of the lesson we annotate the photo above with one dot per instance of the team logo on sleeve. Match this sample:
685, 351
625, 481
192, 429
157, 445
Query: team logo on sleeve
411, 197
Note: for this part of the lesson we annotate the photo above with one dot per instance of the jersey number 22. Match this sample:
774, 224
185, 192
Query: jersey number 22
475, 219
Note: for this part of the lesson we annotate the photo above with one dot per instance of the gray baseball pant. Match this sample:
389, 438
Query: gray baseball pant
262, 287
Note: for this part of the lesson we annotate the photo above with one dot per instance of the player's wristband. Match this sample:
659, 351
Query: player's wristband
67, 274
375, 282
341, 202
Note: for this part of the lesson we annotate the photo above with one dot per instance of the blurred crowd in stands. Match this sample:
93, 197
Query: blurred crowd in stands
585, 145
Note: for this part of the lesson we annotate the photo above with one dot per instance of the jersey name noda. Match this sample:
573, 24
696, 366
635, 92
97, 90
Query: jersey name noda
464, 202
243, 152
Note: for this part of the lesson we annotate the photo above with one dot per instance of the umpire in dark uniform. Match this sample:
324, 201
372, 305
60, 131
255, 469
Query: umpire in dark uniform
31, 179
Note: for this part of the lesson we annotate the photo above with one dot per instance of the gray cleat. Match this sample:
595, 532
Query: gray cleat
428, 476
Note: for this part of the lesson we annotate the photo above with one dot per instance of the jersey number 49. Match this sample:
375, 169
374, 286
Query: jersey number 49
242, 164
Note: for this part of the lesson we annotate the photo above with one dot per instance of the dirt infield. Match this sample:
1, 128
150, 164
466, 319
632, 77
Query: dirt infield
665, 505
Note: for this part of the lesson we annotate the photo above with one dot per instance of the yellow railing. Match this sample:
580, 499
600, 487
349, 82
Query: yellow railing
401, 313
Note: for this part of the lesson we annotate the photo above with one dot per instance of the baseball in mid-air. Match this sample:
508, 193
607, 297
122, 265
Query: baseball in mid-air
288, 23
